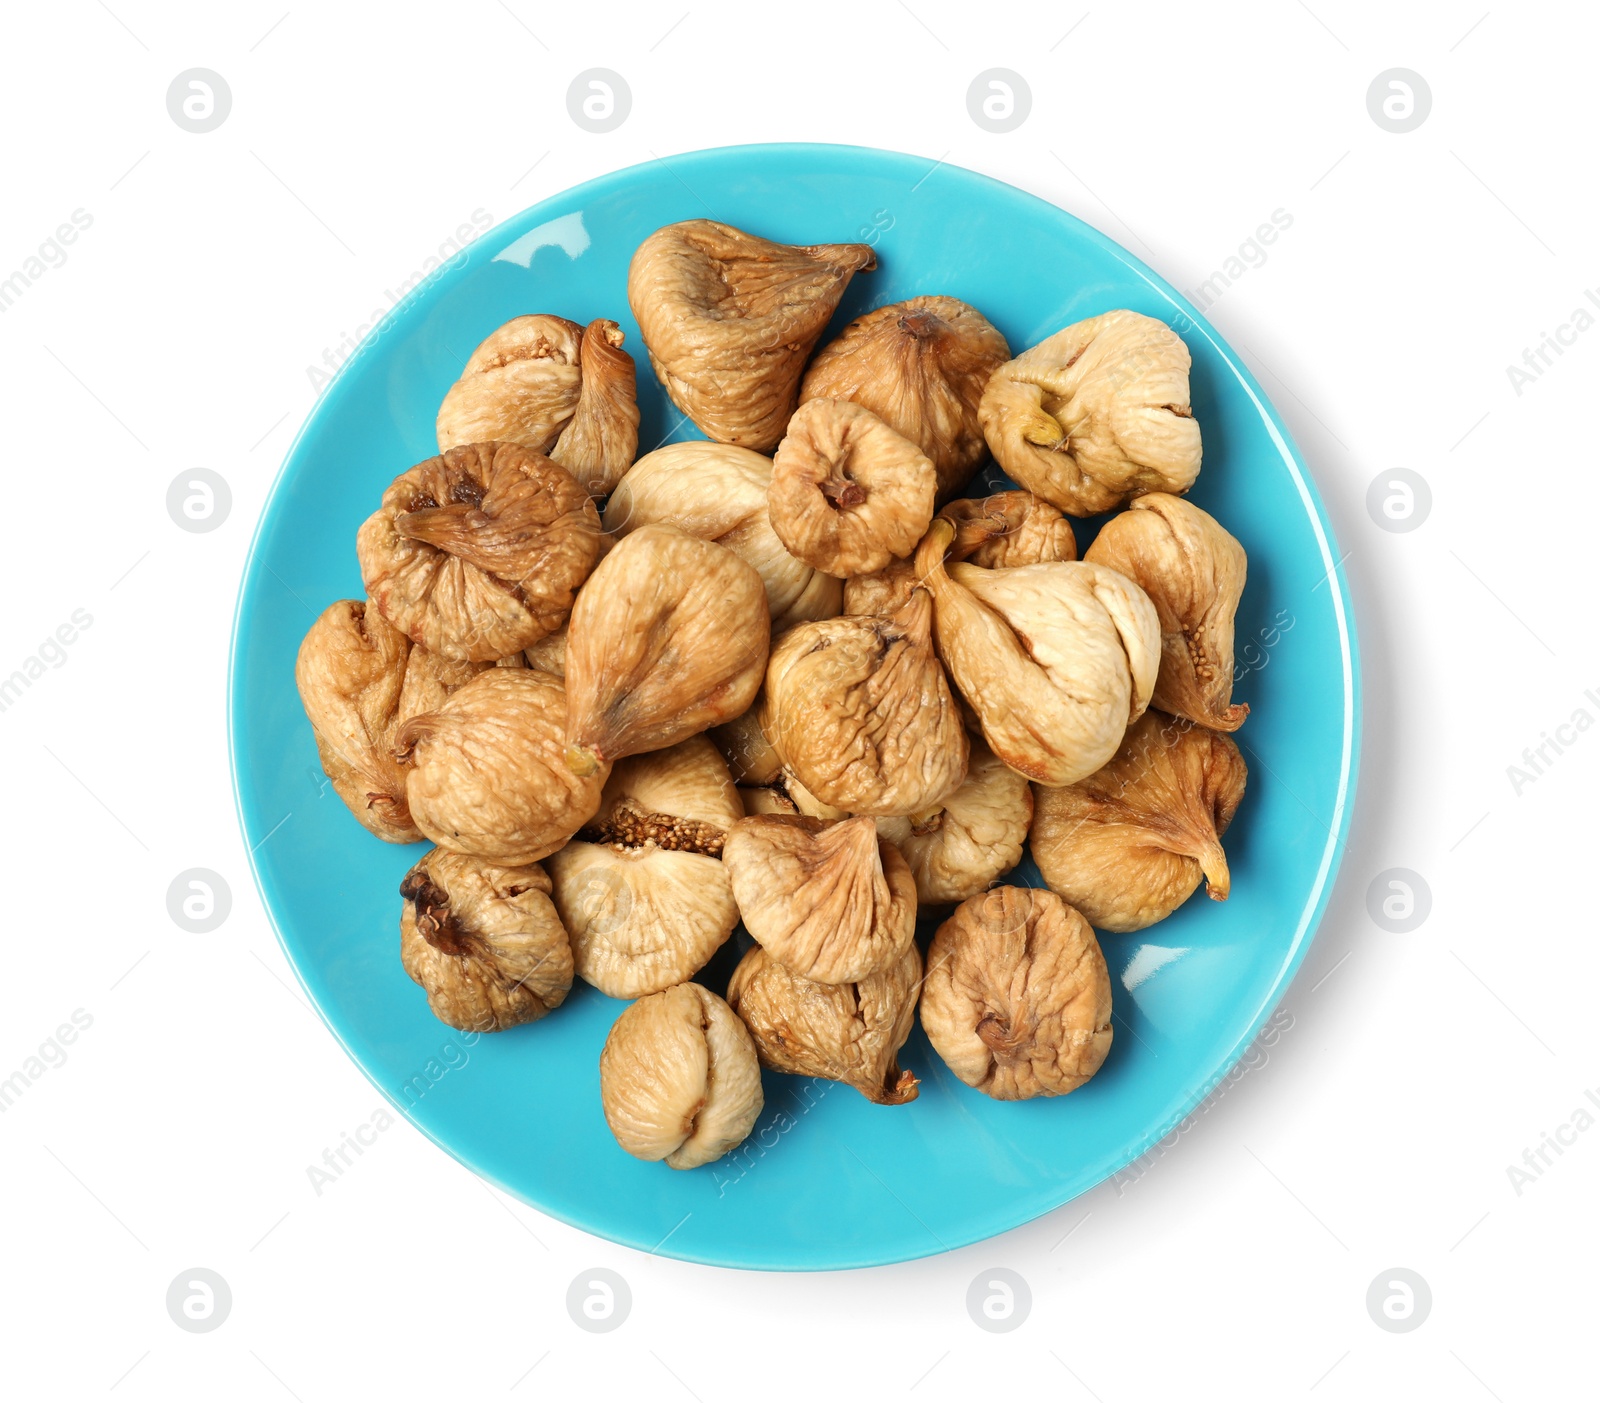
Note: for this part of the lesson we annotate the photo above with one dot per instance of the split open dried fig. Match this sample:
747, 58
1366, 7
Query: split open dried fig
860, 710
1096, 414
828, 900
679, 1079
1017, 1000
521, 385
642, 890
957, 849
848, 493
668, 638
1193, 571
729, 318
484, 941
488, 773
850, 1033
1129, 845
1006, 529
1055, 659
719, 493
921, 367
477, 553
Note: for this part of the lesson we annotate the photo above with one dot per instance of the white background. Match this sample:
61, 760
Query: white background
1418, 1067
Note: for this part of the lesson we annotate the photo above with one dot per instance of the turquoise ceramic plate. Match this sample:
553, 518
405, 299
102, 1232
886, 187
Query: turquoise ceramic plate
827, 1180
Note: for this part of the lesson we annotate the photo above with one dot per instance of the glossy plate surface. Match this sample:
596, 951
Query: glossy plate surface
827, 1180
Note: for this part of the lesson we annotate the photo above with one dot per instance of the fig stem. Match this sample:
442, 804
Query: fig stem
1214, 863
582, 761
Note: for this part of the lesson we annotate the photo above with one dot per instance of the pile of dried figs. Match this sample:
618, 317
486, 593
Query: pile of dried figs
787, 677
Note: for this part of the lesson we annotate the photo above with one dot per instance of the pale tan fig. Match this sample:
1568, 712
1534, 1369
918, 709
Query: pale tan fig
1096, 414
1007, 529
642, 890
679, 1079
828, 900
744, 745
520, 386
549, 654
957, 849
1055, 659
729, 319
483, 941
1129, 845
599, 442
1193, 572
848, 493
765, 801
881, 592
850, 1033
860, 711
478, 553
360, 678
488, 774
719, 493
668, 638
1018, 998
805, 802
921, 367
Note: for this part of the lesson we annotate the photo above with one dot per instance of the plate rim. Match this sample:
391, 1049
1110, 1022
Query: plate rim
1333, 854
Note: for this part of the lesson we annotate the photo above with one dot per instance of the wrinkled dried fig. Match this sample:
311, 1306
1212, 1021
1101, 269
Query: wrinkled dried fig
549, 654
1007, 529
679, 1079
1193, 572
487, 772
520, 386
848, 1033
599, 441
729, 319
828, 900
921, 367
848, 493
477, 553
957, 849
1129, 845
642, 890
861, 712
1018, 998
484, 941
668, 638
1055, 659
881, 592
719, 493
1096, 414
744, 745
805, 802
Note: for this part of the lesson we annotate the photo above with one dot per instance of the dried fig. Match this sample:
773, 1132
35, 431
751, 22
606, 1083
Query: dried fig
805, 802
719, 493
729, 319
679, 1079
668, 638
549, 654
849, 1033
1193, 572
642, 890
477, 553
881, 592
957, 849
1096, 414
484, 941
520, 386
1007, 529
1128, 845
599, 441
828, 900
848, 493
861, 713
921, 367
1055, 659
487, 772
765, 801
744, 745
1018, 998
